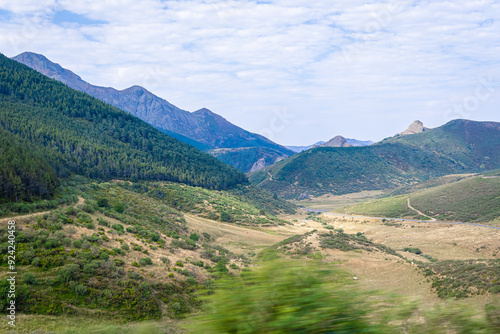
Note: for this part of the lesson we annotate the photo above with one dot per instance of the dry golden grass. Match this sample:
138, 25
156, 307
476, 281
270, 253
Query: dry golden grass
381, 271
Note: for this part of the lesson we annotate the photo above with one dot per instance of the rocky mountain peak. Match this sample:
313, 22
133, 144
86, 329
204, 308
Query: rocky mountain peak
204, 111
415, 127
337, 141
46, 67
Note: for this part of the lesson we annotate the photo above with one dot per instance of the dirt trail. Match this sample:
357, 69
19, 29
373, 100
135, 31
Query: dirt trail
231, 234
420, 212
36, 214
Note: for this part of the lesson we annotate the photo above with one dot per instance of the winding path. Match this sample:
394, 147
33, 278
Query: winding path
35, 214
432, 219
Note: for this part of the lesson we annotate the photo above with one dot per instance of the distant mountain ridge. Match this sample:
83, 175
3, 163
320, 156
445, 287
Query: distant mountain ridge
458, 147
202, 129
355, 142
351, 142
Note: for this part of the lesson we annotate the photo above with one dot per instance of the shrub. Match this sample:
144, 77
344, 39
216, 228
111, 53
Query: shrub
82, 217
134, 275
184, 244
194, 237
80, 289
132, 229
85, 244
66, 242
30, 278
225, 217
118, 262
220, 267
118, 227
199, 263
146, 261
52, 243
67, 273
413, 250
118, 251
90, 268
125, 247
119, 207
103, 203
103, 222
71, 211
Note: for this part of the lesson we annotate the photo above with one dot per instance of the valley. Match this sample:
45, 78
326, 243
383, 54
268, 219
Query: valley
374, 251
123, 225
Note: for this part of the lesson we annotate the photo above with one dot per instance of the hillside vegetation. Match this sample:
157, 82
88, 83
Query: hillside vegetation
458, 147
475, 199
126, 252
50, 131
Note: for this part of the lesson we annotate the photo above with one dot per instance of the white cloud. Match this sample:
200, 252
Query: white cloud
363, 69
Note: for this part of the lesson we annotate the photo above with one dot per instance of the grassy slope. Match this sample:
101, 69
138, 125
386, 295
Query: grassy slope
476, 199
91, 259
472, 199
392, 207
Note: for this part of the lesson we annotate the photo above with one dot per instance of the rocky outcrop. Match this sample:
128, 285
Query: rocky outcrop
415, 127
337, 141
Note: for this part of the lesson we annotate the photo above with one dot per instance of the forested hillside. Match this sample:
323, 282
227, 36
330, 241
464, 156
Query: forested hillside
203, 129
49, 131
460, 146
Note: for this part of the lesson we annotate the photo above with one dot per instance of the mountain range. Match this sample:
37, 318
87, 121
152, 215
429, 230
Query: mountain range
460, 146
203, 128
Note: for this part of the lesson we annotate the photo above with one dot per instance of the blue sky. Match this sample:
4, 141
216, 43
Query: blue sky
295, 71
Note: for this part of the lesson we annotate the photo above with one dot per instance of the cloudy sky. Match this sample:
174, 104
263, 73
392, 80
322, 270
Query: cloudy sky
296, 71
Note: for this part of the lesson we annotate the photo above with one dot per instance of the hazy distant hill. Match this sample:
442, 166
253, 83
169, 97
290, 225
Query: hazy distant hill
355, 142
49, 130
460, 146
352, 142
202, 129
299, 149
